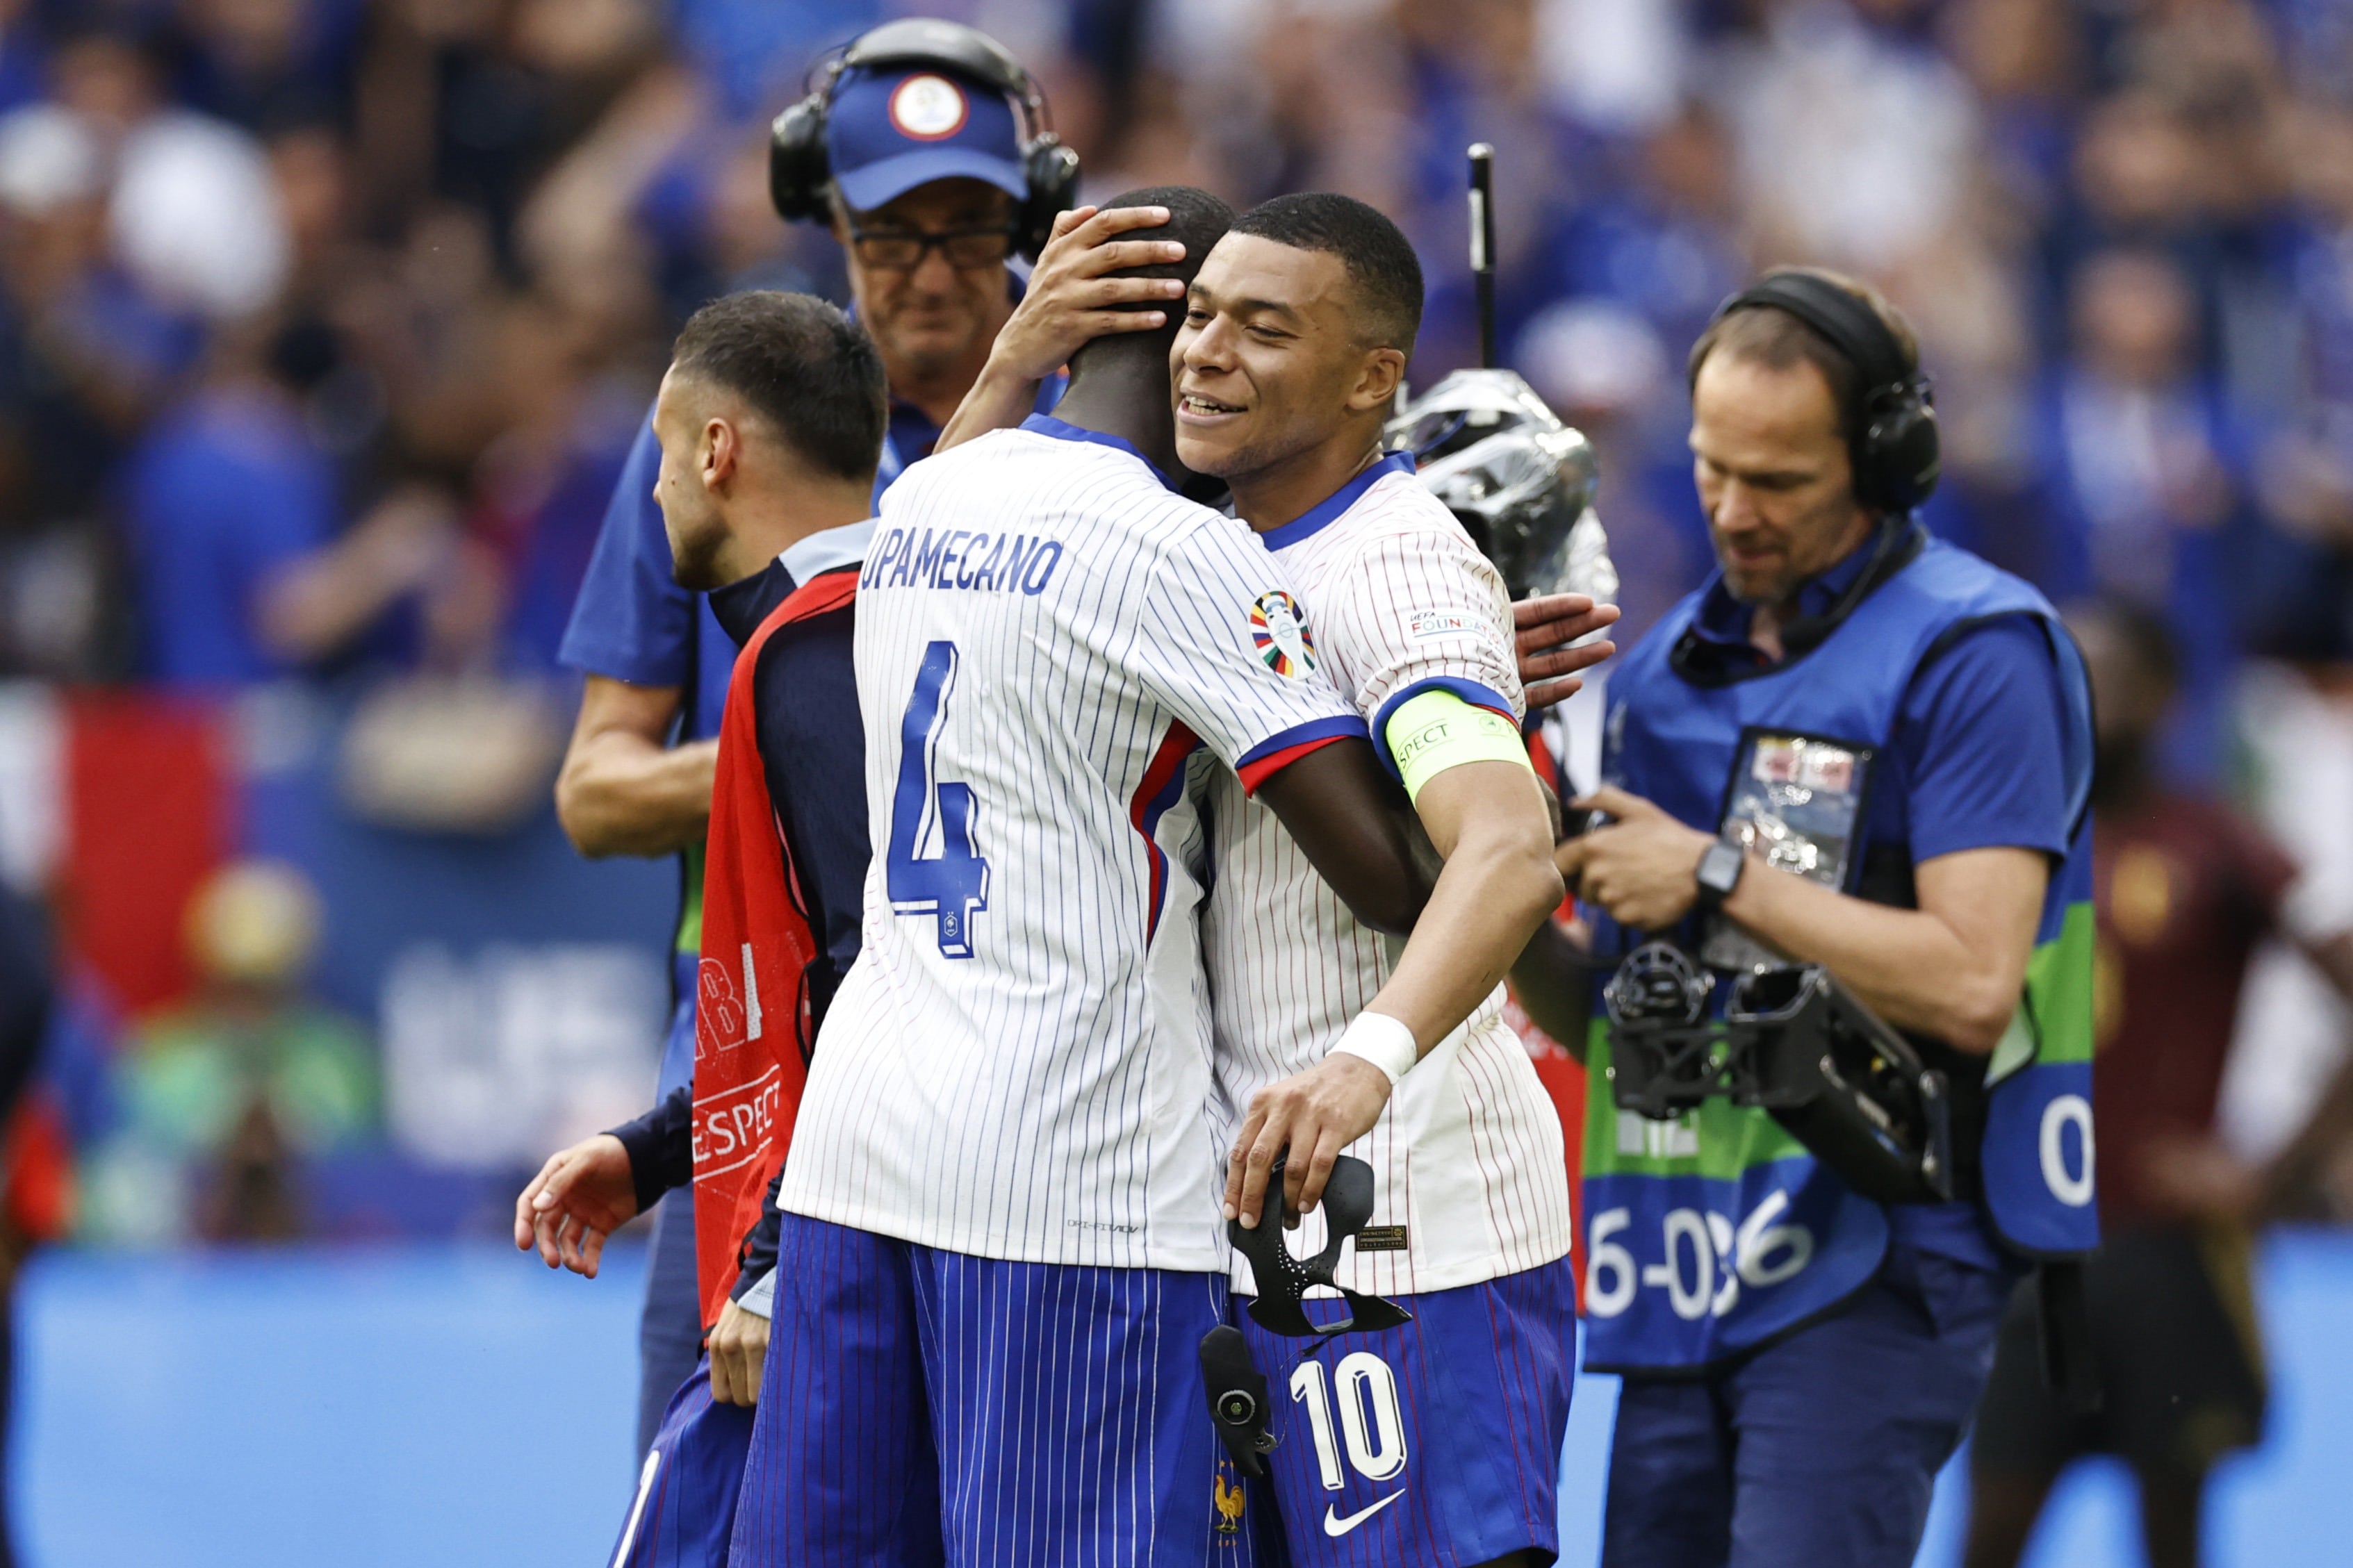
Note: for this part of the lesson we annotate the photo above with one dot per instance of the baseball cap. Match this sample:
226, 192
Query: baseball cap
889, 130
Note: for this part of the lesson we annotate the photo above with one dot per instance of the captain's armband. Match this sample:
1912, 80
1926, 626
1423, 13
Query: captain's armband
1436, 730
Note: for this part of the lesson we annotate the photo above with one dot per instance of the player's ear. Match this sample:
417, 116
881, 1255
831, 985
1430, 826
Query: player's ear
722, 449
1378, 375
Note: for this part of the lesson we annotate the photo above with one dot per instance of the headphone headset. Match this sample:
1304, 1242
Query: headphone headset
1891, 431
799, 170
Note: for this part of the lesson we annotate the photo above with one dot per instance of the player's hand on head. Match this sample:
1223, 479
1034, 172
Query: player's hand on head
579, 1198
1314, 1114
1076, 286
1545, 626
739, 1355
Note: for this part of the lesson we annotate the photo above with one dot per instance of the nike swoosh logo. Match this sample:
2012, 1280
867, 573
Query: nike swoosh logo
1338, 1526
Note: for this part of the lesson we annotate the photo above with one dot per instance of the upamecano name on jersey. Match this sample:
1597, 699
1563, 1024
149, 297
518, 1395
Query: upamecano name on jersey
962, 559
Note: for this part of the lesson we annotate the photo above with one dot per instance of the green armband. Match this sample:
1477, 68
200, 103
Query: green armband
1437, 730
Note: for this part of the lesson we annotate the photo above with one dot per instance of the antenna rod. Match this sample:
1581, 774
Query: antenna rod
1482, 245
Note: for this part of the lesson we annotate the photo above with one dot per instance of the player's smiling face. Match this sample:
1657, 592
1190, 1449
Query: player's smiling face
1268, 364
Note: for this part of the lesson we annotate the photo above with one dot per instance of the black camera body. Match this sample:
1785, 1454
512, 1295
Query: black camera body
1796, 1044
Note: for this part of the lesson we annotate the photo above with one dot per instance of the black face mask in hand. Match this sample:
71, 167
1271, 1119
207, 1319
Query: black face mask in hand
1283, 1279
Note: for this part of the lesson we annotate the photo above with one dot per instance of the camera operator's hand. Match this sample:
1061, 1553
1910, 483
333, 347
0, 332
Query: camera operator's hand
1315, 1114
1642, 866
1544, 628
582, 1195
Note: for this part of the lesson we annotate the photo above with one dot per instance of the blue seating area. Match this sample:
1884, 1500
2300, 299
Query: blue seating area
461, 1405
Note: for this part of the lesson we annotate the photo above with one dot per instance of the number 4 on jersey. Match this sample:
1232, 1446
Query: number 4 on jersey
953, 885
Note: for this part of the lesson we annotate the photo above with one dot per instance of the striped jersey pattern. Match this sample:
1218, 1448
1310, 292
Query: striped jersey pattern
1468, 1158
1017, 1066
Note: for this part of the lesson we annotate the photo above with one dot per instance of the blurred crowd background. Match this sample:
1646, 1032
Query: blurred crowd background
325, 325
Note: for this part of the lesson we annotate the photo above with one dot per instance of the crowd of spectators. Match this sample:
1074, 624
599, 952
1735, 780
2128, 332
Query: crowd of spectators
325, 324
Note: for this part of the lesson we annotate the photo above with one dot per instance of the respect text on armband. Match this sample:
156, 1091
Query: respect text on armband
962, 560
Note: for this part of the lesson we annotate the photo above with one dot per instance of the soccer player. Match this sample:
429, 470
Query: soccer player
1001, 1244
771, 423
1437, 1440
1398, 604
927, 180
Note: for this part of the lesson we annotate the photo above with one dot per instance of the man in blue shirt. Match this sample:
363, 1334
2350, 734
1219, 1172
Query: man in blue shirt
1857, 747
773, 411
928, 180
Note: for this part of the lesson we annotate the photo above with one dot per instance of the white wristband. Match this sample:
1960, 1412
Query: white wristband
760, 1300
1383, 1041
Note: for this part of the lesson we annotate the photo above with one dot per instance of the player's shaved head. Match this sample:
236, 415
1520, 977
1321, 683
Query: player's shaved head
1196, 220
1383, 271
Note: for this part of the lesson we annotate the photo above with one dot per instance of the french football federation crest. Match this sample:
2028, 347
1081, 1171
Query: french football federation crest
1229, 1501
1278, 632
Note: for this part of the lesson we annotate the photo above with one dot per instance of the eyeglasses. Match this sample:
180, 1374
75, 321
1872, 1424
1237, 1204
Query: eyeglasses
903, 251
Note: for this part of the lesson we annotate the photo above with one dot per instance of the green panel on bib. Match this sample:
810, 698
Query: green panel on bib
2059, 989
1719, 1139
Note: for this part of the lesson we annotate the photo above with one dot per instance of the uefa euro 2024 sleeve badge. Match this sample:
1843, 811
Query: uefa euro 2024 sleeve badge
1278, 632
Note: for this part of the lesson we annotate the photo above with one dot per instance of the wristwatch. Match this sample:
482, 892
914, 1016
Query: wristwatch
1719, 873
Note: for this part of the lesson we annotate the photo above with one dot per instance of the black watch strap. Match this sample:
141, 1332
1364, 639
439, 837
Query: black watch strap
1719, 873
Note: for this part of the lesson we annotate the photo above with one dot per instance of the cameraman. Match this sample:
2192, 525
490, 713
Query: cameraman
1900, 733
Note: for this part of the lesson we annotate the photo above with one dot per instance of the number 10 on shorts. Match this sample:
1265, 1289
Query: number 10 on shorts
1371, 1424
952, 886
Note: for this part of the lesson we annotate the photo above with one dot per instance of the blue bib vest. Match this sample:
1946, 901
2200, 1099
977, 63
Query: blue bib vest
1713, 1233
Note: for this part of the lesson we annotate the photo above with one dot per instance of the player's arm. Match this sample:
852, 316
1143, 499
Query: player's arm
586, 1192
1476, 793
1552, 980
1072, 298
622, 791
1357, 830
1479, 800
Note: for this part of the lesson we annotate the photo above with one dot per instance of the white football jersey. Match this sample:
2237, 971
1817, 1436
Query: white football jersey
1468, 1161
1017, 1066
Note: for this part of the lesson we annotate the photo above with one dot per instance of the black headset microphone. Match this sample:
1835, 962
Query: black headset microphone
800, 174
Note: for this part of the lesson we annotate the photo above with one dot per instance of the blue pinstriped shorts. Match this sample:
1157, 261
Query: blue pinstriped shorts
1434, 1442
684, 1508
924, 1407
